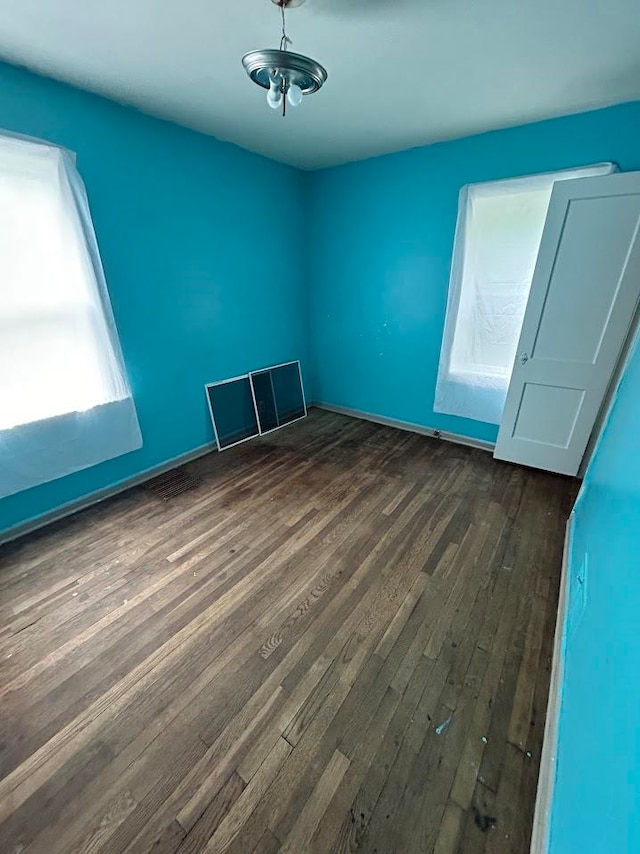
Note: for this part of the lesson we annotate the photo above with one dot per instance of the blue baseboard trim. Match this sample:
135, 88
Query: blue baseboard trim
99, 495
433, 432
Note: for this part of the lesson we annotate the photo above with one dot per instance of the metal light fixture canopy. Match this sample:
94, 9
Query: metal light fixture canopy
284, 68
306, 73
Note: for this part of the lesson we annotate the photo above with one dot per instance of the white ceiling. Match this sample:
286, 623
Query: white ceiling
401, 72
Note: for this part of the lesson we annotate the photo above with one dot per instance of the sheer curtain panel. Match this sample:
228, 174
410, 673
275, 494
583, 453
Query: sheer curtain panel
65, 402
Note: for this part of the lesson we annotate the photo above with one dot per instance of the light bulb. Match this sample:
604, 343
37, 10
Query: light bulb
274, 95
294, 95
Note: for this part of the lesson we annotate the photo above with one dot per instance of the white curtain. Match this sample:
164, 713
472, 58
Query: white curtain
65, 402
496, 245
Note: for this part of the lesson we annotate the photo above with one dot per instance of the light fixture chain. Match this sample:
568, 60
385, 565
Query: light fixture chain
285, 40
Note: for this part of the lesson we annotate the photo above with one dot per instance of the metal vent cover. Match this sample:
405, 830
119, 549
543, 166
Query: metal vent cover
172, 483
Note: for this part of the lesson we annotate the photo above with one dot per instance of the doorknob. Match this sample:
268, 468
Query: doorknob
523, 358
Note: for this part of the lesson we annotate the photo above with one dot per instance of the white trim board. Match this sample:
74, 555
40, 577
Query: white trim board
72, 507
547, 774
433, 432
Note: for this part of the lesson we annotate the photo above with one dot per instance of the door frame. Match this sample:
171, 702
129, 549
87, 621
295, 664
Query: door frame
612, 391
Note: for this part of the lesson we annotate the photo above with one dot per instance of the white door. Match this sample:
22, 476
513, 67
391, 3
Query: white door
583, 296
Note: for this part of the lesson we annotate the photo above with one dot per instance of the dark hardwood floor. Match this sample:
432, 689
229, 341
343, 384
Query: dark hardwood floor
340, 640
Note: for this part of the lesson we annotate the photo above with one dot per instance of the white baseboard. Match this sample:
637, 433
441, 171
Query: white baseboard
433, 432
547, 774
99, 495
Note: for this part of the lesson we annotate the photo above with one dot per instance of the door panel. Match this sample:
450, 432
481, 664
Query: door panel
583, 297
603, 262
563, 405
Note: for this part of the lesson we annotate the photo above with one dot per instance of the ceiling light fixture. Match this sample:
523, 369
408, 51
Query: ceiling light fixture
286, 75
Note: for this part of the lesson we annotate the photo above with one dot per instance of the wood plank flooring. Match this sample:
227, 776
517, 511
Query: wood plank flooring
339, 641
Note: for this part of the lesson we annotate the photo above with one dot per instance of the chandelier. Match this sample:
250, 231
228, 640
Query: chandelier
286, 75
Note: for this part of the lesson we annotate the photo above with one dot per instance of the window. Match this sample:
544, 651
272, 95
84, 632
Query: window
62, 378
496, 245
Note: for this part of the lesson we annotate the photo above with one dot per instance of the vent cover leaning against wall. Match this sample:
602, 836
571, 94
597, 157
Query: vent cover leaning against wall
496, 245
65, 402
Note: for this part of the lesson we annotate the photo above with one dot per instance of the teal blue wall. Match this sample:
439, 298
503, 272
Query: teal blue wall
201, 290
382, 238
199, 287
596, 808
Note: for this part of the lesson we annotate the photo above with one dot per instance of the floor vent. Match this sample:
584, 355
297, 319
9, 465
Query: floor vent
172, 483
